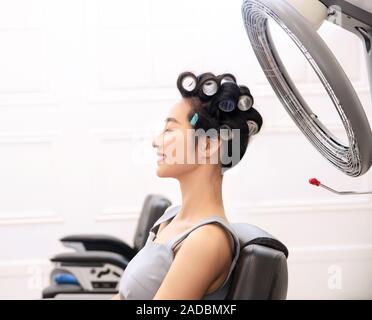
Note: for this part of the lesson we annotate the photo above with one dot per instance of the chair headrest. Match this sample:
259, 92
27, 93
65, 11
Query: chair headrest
251, 234
153, 207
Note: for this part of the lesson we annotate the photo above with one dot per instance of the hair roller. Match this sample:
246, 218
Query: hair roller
208, 86
226, 77
246, 100
226, 132
253, 127
253, 120
187, 84
227, 98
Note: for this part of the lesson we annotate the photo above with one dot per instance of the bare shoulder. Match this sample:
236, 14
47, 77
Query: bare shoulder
209, 248
213, 233
212, 239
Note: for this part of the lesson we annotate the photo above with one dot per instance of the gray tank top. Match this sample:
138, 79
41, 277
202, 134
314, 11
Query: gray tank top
144, 274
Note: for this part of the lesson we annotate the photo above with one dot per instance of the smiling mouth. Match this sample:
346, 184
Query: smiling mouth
161, 156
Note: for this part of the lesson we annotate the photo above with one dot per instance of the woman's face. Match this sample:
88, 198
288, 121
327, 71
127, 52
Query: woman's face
175, 145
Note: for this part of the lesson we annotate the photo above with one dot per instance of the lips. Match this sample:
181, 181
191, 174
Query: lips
161, 156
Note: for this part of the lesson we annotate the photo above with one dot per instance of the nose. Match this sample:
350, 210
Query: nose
155, 141
153, 144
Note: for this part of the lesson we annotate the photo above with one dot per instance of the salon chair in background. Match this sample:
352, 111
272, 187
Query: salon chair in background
94, 269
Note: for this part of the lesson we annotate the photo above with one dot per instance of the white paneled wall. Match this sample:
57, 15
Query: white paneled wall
85, 84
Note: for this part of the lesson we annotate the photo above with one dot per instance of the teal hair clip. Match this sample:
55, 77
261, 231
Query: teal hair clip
194, 119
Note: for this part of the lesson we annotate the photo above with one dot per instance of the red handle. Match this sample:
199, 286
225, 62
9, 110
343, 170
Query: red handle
314, 181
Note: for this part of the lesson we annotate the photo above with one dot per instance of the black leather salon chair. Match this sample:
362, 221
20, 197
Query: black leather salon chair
99, 260
261, 271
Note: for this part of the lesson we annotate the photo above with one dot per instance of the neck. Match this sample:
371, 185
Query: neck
201, 194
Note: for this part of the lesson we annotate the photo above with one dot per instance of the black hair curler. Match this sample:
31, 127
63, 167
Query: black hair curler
246, 100
227, 98
226, 77
226, 132
208, 86
253, 127
187, 84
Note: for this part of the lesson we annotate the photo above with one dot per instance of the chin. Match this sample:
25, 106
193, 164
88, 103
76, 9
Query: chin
160, 174
162, 171
173, 170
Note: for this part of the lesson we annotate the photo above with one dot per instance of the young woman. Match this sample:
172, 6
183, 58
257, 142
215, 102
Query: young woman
192, 250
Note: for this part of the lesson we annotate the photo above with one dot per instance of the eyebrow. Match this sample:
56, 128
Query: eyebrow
172, 120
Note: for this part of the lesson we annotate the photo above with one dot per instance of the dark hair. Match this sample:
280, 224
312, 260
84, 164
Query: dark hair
220, 109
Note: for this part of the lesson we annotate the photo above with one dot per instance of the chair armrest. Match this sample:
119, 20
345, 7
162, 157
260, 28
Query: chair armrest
98, 242
66, 291
90, 259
